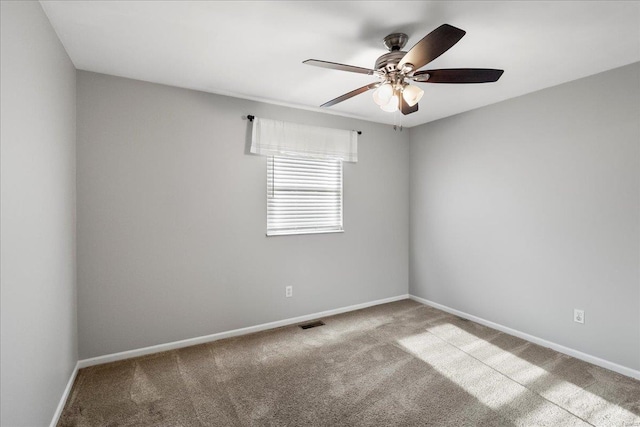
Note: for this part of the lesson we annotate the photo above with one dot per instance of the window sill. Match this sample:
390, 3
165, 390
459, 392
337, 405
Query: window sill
300, 232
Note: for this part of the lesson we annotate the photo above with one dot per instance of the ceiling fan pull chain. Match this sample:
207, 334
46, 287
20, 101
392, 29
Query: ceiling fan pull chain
397, 121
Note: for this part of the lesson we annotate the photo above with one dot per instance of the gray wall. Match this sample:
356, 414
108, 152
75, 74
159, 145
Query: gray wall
172, 219
38, 320
527, 209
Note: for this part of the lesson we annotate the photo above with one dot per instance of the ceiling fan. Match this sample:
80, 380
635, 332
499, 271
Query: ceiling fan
397, 68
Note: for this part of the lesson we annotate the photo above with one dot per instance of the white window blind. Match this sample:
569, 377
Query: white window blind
303, 195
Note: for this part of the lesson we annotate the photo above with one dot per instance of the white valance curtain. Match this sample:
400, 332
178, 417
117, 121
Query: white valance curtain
276, 138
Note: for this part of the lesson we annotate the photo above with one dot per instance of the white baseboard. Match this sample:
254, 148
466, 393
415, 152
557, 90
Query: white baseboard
65, 396
228, 334
557, 347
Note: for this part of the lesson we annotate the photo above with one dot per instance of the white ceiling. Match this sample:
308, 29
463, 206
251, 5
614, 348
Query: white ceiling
255, 49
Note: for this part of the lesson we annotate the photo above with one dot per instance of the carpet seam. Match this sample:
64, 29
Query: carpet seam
368, 396
370, 335
492, 368
187, 389
400, 347
222, 384
512, 379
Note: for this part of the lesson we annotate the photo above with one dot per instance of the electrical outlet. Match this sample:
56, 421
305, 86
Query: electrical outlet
578, 315
288, 291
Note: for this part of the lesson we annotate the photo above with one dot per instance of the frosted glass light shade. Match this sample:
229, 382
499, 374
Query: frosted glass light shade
412, 94
383, 94
392, 105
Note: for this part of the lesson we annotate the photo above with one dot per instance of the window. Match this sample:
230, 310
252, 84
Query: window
304, 196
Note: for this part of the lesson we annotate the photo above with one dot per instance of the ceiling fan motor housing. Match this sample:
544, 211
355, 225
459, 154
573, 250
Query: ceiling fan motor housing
389, 61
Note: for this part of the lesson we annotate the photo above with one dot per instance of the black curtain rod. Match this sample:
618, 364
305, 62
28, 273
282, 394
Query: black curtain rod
250, 118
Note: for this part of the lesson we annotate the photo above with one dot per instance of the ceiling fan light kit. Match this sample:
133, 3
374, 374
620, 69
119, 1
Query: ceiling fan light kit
383, 94
397, 68
392, 105
412, 94
387, 95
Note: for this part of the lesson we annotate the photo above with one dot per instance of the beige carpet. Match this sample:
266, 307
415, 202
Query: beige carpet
397, 364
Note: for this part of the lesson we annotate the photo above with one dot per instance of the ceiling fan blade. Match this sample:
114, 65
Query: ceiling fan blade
350, 94
432, 45
405, 108
336, 66
458, 75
